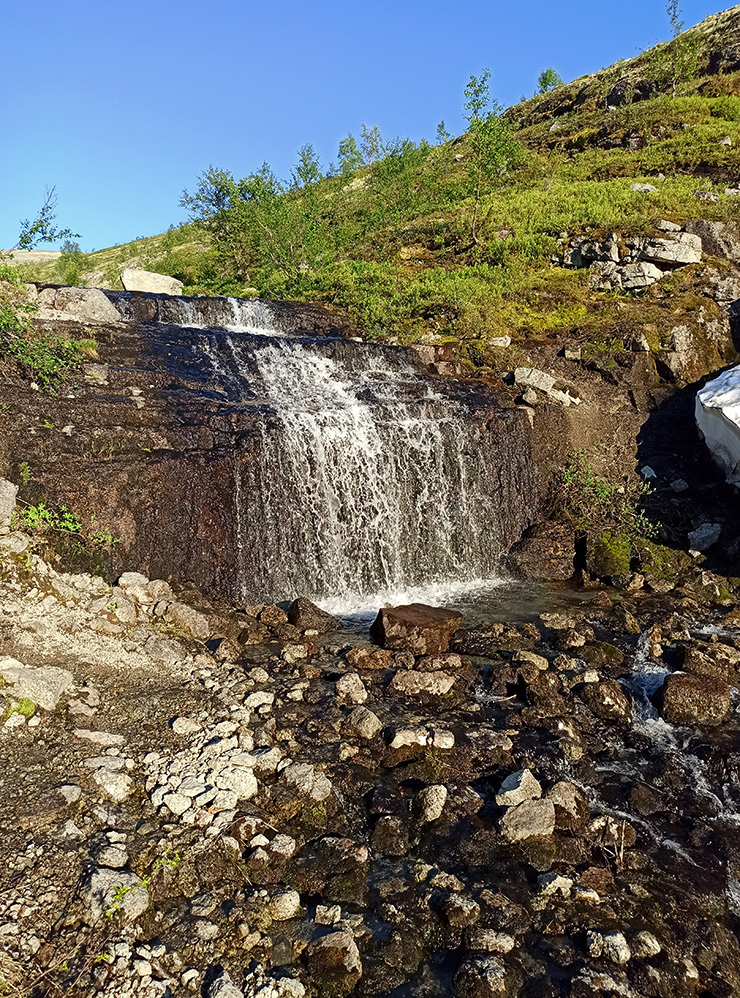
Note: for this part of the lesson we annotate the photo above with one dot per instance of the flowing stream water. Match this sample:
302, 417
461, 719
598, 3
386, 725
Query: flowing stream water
373, 482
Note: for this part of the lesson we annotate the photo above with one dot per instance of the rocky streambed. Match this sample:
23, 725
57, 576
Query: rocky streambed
205, 797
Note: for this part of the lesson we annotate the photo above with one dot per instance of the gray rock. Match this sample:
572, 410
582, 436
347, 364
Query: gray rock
305, 615
8, 493
44, 685
704, 536
635, 276
351, 688
176, 803
429, 803
717, 239
117, 786
608, 945
224, 987
284, 905
363, 723
306, 781
81, 304
643, 188
414, 683
336, 954
490, 941
517, 788
531, 377
644, 945
531, 819
186, 619
679, 249
114, 891
145, 280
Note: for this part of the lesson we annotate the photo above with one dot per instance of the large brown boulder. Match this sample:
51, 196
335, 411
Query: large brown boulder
688, 699
421, 629
545, 552
306, 616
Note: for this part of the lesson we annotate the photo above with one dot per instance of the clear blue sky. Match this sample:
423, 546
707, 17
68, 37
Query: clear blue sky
122, 105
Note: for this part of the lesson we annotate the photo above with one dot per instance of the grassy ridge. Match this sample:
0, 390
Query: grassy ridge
390, 243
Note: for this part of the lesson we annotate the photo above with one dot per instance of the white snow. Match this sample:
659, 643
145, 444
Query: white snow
718, 419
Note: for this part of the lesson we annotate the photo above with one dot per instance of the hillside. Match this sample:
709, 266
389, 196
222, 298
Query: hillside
390, 243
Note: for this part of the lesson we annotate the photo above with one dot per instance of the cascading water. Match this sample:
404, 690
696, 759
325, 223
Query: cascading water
369, 480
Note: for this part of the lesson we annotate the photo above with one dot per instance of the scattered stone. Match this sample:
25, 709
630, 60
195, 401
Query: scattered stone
644, 946
363, 723
222, 987
115, 893
351, 688
429, 803
335, 958
306, 616
608, 701
609, 945
643, 188
531, 819
413, 683
42, 685
517, 788
117, 786
421, 629
284, 905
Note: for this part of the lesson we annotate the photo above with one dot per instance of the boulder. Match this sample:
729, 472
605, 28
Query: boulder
584, 252
717, 239
677, 250
635, 276
109, 892
517, 788
306, 616
691, 699
571, 806
362, 723
546, 551
134, 279
185, 618
531, 377
421, 629
479, 977
78, 304
429, 803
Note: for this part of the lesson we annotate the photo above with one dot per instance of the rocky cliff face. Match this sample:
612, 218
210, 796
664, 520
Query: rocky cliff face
188, 441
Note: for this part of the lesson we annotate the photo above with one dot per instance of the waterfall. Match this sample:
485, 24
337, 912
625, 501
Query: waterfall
367, 481
357, 479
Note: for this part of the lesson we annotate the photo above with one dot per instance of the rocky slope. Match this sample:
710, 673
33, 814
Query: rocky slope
199, 798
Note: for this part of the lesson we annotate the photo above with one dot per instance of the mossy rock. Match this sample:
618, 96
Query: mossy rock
662, 562
609, 554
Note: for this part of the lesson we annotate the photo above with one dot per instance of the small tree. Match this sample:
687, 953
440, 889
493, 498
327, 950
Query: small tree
350, 157
42, 229
443, 135
548, 80
307, 170
371, 143
490, 137
684, 52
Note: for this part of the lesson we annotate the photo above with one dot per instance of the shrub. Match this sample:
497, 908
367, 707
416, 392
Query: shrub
595, 504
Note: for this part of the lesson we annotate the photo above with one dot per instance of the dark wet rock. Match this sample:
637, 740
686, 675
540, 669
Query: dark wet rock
391, 836
480, 977
601, 654
460, 910
608, 701
547, 551
306, 616
421, 629
689, 699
